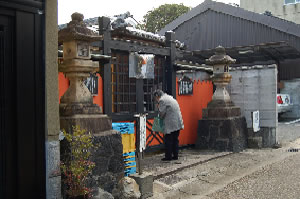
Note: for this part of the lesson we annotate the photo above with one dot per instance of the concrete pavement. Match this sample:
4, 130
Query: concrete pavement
214, 174
211, 174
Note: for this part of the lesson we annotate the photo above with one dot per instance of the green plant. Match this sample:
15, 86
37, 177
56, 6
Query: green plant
76, 166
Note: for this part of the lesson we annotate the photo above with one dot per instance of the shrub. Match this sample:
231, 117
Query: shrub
76, 166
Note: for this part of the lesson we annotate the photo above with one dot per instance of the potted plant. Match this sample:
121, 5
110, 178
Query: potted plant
76, 166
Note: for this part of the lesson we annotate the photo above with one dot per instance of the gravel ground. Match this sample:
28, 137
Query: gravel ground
255, 174
207, 178
280, 180
251, 174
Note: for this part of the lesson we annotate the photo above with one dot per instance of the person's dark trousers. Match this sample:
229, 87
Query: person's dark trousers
171, 145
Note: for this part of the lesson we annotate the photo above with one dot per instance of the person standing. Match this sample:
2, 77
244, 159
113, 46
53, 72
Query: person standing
169, 111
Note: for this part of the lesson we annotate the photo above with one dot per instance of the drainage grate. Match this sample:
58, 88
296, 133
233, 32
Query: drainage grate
293, 150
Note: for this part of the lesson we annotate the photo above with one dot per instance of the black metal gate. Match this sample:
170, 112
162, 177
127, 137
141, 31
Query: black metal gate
131, 96
22, 101
123, 96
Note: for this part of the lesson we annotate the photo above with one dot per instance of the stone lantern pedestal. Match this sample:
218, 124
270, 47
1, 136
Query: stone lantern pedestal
222, 127
77, 108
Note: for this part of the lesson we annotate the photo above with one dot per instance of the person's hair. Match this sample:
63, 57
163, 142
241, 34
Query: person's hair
158, 93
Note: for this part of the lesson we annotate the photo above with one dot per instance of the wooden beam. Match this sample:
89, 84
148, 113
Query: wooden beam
170, 70
104, 29
136, 47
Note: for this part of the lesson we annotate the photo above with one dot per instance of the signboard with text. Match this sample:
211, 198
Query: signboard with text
92, 84
185, 86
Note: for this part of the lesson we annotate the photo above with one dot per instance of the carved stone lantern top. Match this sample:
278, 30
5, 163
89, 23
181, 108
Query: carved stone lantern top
221, 77
77, 64
77, 30
220, 57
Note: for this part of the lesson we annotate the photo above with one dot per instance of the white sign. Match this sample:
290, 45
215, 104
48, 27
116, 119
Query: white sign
255, 121
141, 66
143, 130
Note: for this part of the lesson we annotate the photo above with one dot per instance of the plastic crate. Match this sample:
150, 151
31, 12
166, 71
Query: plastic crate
128, 141
124, 127
131, 170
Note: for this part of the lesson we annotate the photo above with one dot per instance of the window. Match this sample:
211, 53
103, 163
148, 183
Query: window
124, 98
291, 1
151, 85
123, 87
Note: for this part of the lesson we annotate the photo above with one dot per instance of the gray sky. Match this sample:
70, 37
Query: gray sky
96, 8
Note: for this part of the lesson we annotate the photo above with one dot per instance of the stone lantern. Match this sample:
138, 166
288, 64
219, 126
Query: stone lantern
77, 65
222, 126
221, 77
221, 106
77, 108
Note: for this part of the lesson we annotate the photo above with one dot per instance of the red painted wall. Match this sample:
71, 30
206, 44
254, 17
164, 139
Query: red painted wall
191, 108
63, 83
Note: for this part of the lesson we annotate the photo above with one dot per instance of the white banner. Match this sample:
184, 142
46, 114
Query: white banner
141, 66
255, 121
142, 132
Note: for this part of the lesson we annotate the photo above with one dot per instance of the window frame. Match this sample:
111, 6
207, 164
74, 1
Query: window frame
140, 85
295, 2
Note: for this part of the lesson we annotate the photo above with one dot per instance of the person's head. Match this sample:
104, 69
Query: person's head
157, 94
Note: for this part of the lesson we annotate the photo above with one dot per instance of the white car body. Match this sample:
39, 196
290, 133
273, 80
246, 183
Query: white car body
284, 103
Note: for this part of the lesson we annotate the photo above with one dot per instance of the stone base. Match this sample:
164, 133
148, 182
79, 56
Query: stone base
108, 157
79, 108
94, 123
221, 112
145, 182
53, 170
109, 169
228, 134
267, 134
221, 109
255, 142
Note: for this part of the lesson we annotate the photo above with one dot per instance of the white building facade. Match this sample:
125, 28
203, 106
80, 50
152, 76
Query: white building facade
285, 9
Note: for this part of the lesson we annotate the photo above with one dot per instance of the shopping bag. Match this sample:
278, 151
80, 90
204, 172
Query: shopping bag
158, 125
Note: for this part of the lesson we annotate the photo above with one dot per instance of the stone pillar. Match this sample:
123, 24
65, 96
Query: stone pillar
77, 106
53, 183
222, 127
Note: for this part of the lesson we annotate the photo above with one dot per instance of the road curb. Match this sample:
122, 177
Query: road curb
156, 177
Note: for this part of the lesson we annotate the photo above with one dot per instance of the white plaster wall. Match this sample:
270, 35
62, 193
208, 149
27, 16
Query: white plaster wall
194, 75
290, 12
255, 89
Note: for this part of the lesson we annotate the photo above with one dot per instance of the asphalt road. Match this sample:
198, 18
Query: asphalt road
280, 180
288, 132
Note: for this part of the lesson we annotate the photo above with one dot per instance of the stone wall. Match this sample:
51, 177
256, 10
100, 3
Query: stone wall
53, 170
108, 157
109, 160
228, 134
268, 136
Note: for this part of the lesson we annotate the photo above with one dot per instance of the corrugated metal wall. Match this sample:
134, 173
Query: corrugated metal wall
210, 29
289, 69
